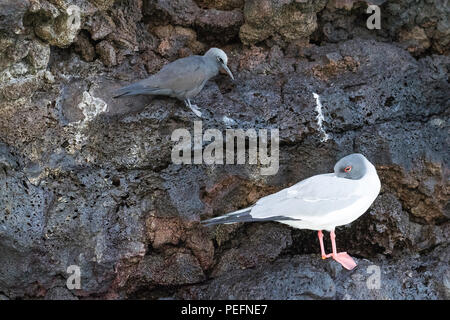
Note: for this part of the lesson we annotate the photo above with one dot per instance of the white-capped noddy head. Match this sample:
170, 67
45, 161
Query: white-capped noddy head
218, 56
353, 166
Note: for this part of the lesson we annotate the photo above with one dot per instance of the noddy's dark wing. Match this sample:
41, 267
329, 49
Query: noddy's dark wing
174, 79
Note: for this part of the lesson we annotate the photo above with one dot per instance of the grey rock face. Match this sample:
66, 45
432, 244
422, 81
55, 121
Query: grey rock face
86, 180
308, 277
417, 25
285, 279
11, 15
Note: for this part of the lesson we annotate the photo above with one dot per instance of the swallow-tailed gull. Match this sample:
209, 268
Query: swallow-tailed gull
182, 79
321, 202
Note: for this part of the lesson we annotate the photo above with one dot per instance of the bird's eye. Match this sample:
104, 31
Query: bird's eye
348, 169
220, 60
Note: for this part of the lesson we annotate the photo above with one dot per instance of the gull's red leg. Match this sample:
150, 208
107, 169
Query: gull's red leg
333, 243
322, 249
342, 257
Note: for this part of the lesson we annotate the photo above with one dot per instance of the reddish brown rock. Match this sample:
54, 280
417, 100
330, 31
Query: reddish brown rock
213, 23
291, 20
177, 12
221, 4
174, 268
423, 193
152, 62
125, 34
173, 39
163, 231
334, 67
84, 47
415, 40
263, 243
100, 25
201, 246
252, 57
107, 53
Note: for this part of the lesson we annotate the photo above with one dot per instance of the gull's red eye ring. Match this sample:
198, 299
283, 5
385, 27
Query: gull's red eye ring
348, 169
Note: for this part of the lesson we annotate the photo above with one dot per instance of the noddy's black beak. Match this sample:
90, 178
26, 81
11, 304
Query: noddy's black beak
224, 66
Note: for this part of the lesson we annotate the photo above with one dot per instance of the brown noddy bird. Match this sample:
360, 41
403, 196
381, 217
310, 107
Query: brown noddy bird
182, 79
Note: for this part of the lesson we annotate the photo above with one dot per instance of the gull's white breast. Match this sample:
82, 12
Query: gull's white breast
369, 189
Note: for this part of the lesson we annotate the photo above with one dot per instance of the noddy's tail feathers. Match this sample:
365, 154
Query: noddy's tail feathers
138, 88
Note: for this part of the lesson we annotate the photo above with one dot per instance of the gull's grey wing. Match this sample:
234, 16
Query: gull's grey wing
311, 199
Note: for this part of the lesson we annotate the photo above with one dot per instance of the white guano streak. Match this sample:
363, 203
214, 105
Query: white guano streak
320, 118
91, 108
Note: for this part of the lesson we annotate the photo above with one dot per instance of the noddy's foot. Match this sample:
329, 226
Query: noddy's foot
196, 110
193, 107
343, 258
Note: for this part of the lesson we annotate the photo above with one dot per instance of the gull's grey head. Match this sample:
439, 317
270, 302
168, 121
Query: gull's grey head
353, 166
220, 58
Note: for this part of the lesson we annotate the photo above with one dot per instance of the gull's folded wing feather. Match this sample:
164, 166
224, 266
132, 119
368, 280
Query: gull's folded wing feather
310, 200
